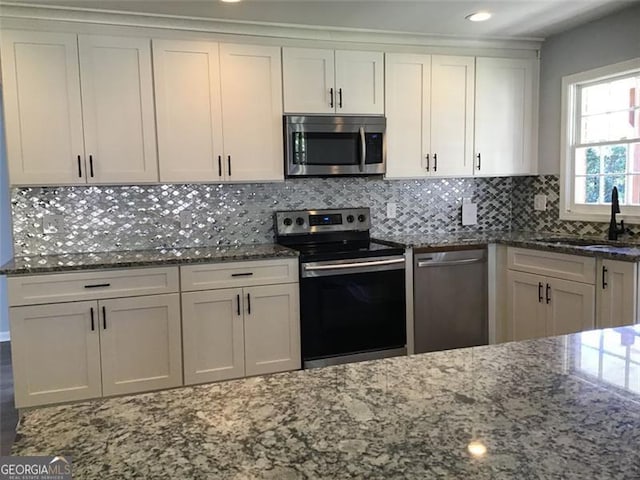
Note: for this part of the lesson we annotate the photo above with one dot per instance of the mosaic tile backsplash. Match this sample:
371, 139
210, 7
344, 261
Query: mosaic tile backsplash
524, 217
105, 218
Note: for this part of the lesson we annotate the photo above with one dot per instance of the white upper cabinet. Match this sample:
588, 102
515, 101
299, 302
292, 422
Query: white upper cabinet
219, 111
251, 81
43, 115
429, 108
408, 110
452, 89
189, 116
59, 133
326, 81
504, 125
118, 112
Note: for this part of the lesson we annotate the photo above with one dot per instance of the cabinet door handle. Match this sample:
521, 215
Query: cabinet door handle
91, 165
427, 157
479, 161
539, 292
93, 326
79, 167
435, 162
244, 274
104, 318
238, 300
98, 285
339, 98
331, 96
219, 165
548, 293
249, 303
229, 163
604, 277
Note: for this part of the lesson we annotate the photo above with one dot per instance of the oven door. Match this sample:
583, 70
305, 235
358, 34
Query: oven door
351, 307
320, 146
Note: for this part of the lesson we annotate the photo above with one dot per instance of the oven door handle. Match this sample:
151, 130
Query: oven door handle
342, 266
363, 149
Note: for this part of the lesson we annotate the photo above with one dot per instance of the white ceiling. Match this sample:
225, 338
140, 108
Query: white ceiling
511, 18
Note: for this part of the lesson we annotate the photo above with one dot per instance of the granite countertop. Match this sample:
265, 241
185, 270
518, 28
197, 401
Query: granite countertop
544, 409
627, 250
140, 258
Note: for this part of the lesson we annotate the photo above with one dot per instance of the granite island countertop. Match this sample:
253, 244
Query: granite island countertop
141, 258
542, 408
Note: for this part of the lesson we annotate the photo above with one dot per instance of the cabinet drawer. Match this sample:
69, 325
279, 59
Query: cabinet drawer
65, 287
556, 265
238, 274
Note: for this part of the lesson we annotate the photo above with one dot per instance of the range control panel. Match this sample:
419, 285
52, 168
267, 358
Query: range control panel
297, 222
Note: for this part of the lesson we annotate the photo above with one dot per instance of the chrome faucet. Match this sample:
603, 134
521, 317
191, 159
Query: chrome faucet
614, 231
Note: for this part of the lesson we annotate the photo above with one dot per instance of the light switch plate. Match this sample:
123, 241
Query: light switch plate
52, 224
540, 202
469, 214
392, 210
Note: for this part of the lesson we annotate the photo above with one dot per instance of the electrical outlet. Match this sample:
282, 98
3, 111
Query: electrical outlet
52, 224
540, 202
185, 219
392, 210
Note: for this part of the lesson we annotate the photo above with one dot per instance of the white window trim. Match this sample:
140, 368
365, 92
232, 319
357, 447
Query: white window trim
568, 210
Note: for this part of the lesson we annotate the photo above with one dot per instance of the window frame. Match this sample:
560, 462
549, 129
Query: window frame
570, 122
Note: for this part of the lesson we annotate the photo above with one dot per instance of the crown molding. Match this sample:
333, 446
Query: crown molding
22, 11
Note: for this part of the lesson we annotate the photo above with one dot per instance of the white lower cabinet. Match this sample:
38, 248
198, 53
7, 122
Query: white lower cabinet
55, 353
540, 306
236, 332
617, 291
140, 344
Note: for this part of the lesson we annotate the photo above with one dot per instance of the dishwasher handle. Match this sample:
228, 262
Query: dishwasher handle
450, 263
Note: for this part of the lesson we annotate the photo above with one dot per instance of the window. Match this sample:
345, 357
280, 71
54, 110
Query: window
601, 142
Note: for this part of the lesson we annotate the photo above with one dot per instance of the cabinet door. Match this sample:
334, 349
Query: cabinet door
617, 293
41, 85
408, 107
452, 85
140, 343
570, 307
272, 328
308, 77
189, 116
503, 116
56, 353
118, 112
359, 82
212, 335
252, 112
526, 312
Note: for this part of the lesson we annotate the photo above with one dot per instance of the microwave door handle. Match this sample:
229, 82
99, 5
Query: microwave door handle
363, 149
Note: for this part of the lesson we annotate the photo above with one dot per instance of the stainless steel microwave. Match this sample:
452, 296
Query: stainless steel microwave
334, 145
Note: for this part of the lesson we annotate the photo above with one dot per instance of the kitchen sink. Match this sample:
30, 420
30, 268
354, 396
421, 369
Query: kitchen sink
588, 244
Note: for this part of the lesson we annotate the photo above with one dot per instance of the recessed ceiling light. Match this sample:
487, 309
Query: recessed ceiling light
230, 1
478, 17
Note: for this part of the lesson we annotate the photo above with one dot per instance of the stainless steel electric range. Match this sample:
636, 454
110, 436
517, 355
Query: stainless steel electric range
352, 288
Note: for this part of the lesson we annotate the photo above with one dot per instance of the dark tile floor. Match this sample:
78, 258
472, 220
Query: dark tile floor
8, 413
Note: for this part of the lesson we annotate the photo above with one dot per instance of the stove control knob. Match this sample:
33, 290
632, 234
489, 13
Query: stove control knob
361, 218
350, 218
300, 221
288, 221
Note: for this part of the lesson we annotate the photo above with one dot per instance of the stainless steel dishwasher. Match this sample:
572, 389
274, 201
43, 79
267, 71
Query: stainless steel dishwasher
450, 299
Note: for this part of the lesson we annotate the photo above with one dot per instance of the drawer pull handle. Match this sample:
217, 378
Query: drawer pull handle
93, 326
548, 291
539, 292
604, 277
104, 318
98, 285
238, 299
249, 303
246, 274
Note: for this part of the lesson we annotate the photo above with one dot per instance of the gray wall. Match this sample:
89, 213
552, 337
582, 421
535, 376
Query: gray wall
6, 243
611, 39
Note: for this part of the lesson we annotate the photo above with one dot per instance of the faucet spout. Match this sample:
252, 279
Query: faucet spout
614, 230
